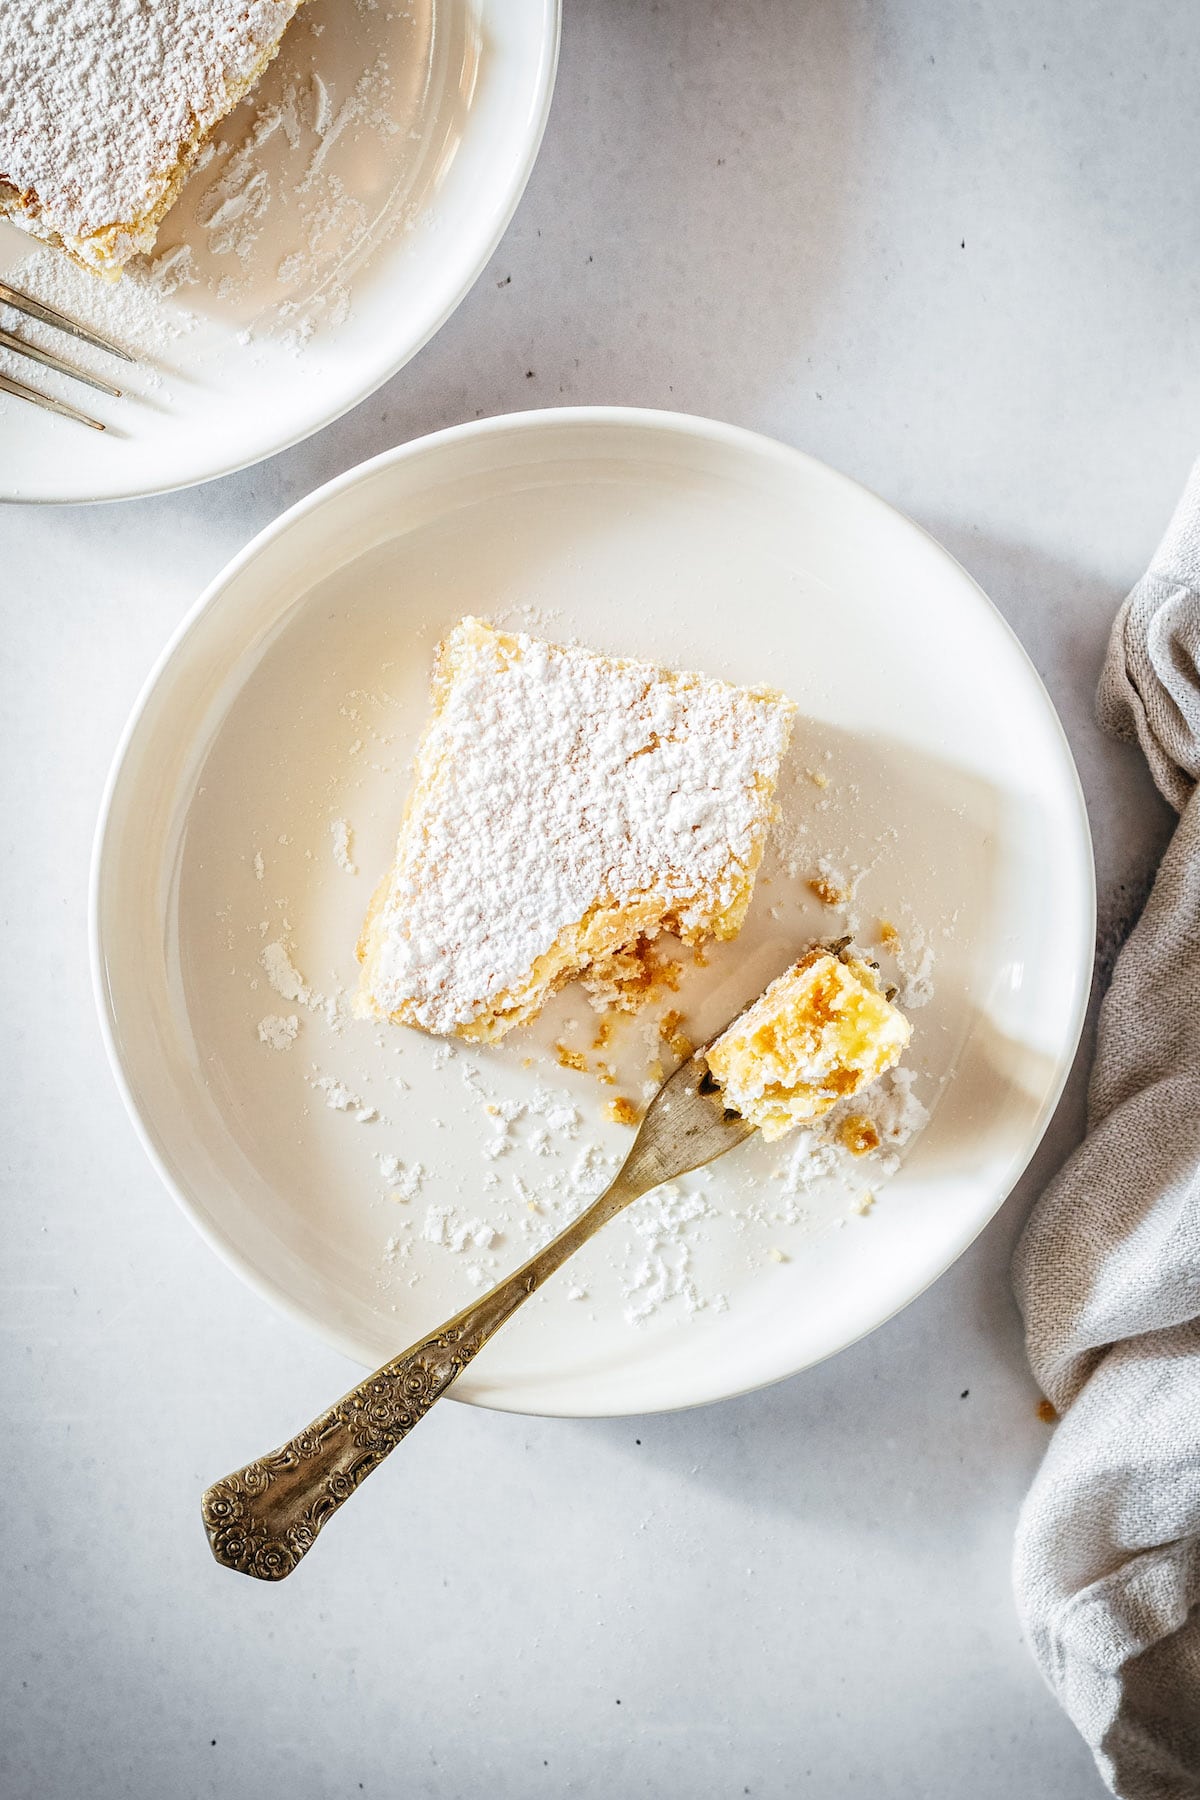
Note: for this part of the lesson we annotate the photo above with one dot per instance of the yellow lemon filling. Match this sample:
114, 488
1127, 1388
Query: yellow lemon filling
822, 1031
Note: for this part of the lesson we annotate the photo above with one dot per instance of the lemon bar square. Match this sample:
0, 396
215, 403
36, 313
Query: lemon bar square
105, 104
564, 806
823, 1030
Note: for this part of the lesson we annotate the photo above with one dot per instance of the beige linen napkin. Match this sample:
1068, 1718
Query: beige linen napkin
1107, 1273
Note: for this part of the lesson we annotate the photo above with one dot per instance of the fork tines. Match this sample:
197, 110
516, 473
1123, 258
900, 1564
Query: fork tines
49, 315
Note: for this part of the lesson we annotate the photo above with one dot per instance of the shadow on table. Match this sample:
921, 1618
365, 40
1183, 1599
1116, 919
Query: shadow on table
646, 286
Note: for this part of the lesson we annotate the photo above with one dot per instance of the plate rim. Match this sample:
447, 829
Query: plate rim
547, 73
653, 421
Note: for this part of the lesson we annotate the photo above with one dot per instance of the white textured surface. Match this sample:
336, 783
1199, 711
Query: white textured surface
758, 213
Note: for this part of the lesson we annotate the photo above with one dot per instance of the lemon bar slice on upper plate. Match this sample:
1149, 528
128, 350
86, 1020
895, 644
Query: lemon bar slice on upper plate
822, 1031
565, 806
104, 105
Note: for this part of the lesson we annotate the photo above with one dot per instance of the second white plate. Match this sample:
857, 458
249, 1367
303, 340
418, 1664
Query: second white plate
369, 1180
347, 206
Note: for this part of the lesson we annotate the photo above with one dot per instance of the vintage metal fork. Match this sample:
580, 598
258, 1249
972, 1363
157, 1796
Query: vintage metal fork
48, 315
262, 1519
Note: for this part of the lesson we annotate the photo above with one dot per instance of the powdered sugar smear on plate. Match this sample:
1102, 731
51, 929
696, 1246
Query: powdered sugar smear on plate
283, 974
883, 1118
342, 1099
328, 218
278, 1031
341, 833
660, 1268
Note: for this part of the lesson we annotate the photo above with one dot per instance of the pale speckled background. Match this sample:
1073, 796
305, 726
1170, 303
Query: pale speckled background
953, 249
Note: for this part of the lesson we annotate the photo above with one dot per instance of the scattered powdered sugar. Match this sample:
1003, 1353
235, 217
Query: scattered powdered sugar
660, 1269
277, 1031
237, 200
559, 1115
334, 1007
914, 959
326, 214
342, 1099
590, 1171
283, 974
655, 1262
169, 271
651, 1266
128, 312
323, 106
819, 1155
893, 1108
403, 1183
447, 1227
814, 1159
559, 1119
260, 867
838, 884
341, 834
546, 621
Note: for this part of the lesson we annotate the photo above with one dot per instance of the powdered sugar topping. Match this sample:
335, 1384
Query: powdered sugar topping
554, 781
99, 97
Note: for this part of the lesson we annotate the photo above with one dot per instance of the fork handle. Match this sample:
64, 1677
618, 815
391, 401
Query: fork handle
262, 1519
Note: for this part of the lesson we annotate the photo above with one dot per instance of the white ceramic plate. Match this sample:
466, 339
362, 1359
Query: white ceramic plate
290, 700
350, 204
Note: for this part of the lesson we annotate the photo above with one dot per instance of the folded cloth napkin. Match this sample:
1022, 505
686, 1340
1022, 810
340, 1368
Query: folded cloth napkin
1107, 1273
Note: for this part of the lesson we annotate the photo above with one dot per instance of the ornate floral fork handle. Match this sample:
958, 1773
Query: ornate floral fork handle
262, 1519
